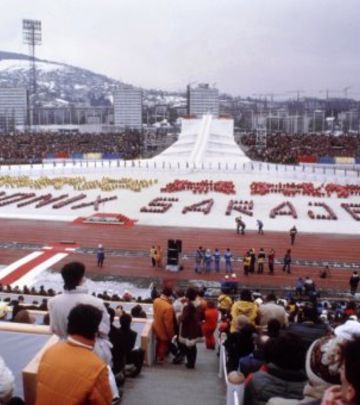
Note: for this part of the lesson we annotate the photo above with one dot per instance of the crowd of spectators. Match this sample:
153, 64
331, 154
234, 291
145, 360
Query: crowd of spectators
289, 350
33, 147
286, 148
280, 147
286, 347
105, 295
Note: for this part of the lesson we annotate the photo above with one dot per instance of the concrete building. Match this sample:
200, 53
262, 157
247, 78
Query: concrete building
128, 107
13, 108
202, 99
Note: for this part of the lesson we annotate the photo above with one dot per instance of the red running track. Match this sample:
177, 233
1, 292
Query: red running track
308, 246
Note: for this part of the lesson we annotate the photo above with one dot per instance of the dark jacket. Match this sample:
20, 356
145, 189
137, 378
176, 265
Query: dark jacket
308, 331
239, 344
190, 321
123, 341
275, 382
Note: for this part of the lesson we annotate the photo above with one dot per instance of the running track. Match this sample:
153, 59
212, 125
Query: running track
323, 247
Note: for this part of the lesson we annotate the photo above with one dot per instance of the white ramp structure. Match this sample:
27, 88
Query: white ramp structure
205, 140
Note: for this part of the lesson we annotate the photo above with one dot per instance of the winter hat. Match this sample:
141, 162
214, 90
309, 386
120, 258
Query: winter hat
348, 330
7, 381
323, 361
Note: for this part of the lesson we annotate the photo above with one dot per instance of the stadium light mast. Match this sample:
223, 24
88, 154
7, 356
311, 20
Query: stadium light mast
32, 38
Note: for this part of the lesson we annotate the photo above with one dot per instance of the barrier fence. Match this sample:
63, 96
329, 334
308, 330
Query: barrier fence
326, 159
77, 167
234, 392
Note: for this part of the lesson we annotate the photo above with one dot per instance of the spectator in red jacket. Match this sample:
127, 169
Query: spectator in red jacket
211, 316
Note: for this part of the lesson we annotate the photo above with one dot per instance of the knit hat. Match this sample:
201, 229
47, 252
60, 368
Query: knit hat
323, 361
348, 330
7, 381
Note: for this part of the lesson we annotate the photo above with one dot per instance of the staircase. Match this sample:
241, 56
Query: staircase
170, 384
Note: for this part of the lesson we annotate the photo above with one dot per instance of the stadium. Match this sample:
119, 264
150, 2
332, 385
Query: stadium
172, 244
60, 211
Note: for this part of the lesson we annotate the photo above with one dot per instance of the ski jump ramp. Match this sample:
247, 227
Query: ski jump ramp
204, 140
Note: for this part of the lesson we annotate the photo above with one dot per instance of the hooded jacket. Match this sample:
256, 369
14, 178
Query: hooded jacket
247, 308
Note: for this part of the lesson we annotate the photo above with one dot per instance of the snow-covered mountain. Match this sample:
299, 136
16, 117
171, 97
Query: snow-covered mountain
61, 84
58, 84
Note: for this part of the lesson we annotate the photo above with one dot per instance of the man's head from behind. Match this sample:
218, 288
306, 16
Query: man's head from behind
281, 347
125, 321
84, 320
72, 274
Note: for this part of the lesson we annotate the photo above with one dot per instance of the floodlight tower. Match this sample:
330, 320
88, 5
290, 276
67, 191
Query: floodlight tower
32, 37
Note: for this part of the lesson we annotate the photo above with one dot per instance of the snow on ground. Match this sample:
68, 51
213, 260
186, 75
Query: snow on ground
54, 280
217, 157
11, 65
129, 202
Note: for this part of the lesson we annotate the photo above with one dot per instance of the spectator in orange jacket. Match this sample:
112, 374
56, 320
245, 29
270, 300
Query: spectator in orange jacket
163, 325
211, 316
69, 371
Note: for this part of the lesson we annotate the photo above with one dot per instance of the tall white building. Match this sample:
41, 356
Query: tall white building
13, 107
128, 107
202, 99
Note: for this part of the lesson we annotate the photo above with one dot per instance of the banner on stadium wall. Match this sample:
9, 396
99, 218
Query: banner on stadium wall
93, 156
111, 155
326, 160
62, 154
344, 160
307, 159
77, 156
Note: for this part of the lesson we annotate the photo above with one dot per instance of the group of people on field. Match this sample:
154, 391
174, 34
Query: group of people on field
207, 261
241, 226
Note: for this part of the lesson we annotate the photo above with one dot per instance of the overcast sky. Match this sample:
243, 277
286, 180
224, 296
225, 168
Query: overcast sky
244, 46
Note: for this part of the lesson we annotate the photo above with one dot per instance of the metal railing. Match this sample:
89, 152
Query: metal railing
234, 392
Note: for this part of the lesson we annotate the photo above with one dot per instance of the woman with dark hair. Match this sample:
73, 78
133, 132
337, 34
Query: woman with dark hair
190, 333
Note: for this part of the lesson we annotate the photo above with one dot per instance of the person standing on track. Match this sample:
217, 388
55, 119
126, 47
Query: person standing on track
217, 258
207, 260
159, 257
228, 261
271, 261
354, 282
287, 261
100, 255
199, 256
261, 260
153, 255
293, 233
